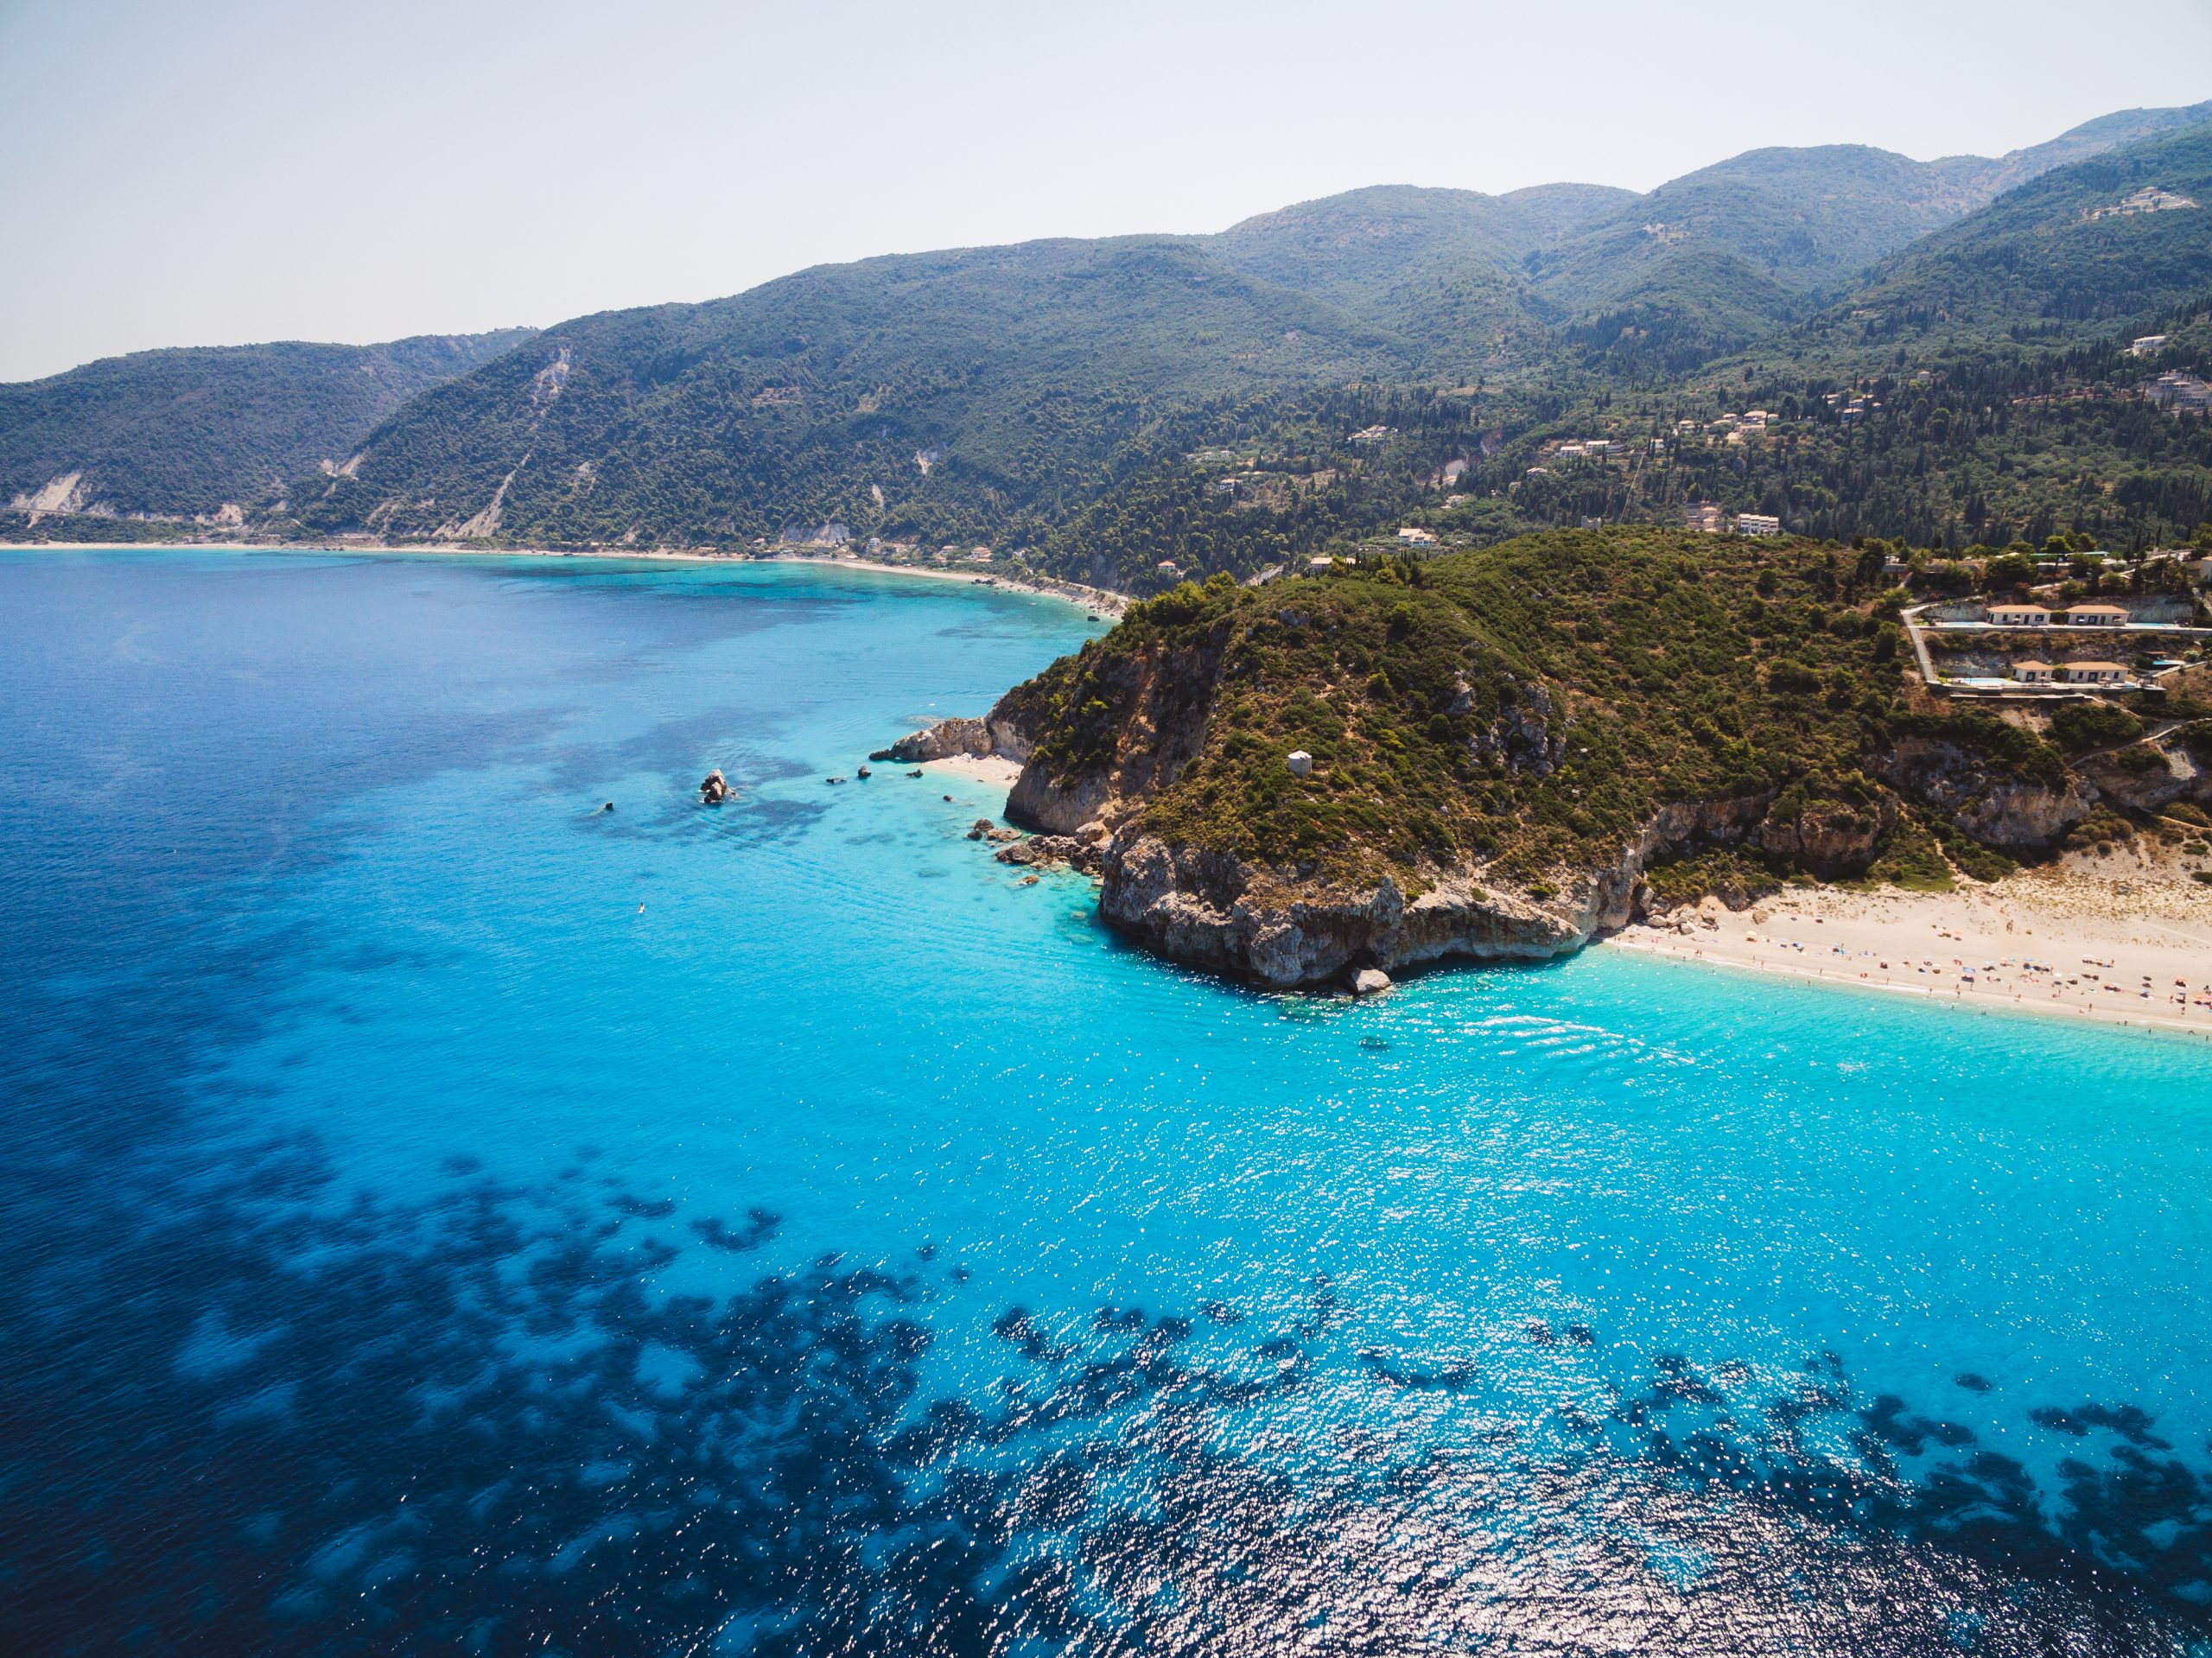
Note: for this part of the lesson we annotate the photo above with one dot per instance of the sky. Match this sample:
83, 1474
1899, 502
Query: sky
238, 170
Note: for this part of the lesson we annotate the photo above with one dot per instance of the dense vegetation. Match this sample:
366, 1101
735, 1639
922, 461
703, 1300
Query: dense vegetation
183, 432
1528, 707
1101, 408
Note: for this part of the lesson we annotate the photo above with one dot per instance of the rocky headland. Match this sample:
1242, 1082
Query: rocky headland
1511, 752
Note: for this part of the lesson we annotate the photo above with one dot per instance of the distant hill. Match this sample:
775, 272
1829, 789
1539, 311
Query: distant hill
1993, 178
1734, 252
928, 390
183, 433
1011, 390
2064, 255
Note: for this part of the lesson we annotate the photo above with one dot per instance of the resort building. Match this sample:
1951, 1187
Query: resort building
2032, 673
1417, 537
1758, 523
2020, 616
2096, 616
2147, 345
2094, 673
1702, 515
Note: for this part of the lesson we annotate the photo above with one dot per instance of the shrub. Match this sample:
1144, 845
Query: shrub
2094, 725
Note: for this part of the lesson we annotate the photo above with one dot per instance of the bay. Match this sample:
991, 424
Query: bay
443, 1213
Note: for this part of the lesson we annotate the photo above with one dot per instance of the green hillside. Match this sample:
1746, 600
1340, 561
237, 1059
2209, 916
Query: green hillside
957, 387
1525, 709
183, 432
1113, 404
2054, 258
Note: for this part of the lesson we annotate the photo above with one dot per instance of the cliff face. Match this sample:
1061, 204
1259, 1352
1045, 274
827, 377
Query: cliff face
1981, 798
1281, 928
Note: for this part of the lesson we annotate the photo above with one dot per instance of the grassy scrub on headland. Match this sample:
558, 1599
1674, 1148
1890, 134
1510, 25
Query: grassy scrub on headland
1531, 708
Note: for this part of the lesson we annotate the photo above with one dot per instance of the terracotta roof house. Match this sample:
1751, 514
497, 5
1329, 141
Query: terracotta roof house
2096, 616
2032, 673
2019, 615
2094, 673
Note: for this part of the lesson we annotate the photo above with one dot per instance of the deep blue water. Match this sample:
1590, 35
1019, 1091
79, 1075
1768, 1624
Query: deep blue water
441, 1216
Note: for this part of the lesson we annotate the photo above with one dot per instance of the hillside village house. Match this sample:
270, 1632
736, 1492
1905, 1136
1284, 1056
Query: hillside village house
2094, 673
2096, 616
2178, 389
2020, 616
2032, 673
1418, 538
1702, 515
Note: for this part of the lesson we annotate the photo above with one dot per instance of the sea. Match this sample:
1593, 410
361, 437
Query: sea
460, 1194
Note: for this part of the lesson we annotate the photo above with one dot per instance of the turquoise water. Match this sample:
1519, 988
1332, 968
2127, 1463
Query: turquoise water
444, 1214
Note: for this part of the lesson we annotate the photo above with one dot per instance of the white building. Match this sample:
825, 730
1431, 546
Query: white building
2020, 616
2096, 616
2032, 673
2094, 673
2147, 345
1758, 523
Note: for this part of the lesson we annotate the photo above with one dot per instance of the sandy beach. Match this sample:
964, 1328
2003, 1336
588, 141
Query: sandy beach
2126, 939
994, 769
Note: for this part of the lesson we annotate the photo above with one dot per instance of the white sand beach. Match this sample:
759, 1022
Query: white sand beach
2126, 939
994, 769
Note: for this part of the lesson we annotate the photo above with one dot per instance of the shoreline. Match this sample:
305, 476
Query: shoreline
2080, 944
1107, 605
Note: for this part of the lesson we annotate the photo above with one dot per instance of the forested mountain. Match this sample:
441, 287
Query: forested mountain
2063, 256
1937, 362
1445, 270
1993, 178
182, 433
967, 384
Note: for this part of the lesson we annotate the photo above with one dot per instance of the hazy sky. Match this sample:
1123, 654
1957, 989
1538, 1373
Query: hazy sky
232, 170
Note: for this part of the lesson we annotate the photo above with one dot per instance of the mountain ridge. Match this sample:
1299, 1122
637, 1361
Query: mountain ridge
993, 391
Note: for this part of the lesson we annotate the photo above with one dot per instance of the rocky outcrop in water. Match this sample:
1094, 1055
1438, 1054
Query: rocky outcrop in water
714, 788
1054, 851
947, 739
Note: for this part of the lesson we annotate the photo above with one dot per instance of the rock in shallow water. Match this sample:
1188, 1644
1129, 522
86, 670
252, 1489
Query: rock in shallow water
1369, 982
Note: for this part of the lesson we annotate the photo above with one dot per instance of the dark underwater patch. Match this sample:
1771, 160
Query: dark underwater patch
431, 1449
